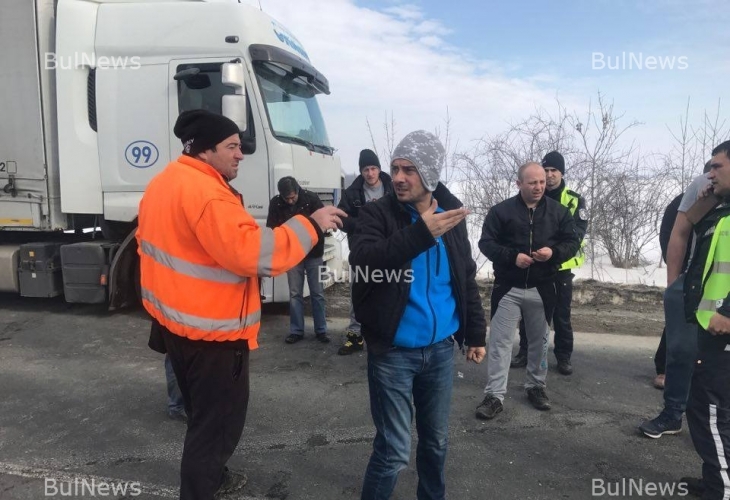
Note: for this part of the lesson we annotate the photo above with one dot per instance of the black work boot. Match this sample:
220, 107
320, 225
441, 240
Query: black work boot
565, 367
538, 398
353, 343
519, 361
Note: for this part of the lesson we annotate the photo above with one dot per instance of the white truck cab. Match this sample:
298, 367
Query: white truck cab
92, 90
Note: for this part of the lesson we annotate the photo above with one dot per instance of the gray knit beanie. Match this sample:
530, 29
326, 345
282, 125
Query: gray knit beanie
426, 152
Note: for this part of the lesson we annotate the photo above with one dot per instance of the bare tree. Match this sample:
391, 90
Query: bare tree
692, 146
604, 157
389, 137
630, 207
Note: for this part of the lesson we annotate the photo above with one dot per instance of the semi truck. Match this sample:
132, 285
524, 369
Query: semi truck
91, 90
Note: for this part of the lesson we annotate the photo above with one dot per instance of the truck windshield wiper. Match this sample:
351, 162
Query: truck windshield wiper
309, 145
297, 140
327, 149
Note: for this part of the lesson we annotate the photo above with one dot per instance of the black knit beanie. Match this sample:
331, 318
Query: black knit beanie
554, 160
367, 158
200, 130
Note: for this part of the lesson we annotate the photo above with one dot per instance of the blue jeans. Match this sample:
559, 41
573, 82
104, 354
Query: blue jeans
425, 376
681, 351
295, 275
175, 402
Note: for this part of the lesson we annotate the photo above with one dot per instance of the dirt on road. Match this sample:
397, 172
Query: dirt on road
597, 307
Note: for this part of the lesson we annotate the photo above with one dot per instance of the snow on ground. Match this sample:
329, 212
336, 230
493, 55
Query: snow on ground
653, 274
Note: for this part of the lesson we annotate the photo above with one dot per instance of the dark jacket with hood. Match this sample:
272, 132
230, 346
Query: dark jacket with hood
511, 228
307, 203
353, 198
387, 240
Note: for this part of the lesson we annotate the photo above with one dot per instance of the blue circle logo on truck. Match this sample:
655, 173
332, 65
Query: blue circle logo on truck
141, 154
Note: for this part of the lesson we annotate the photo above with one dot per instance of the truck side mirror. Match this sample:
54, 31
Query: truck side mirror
234, 106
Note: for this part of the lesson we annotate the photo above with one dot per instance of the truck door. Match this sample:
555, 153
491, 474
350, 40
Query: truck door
199, 86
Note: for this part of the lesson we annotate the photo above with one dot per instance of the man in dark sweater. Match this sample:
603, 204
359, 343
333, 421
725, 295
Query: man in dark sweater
293, 200
370, 185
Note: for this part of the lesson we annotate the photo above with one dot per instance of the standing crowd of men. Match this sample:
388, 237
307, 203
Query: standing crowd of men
202, 255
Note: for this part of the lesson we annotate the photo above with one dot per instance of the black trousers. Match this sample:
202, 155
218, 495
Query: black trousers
708, 417
214, 381
561, 318
660, 356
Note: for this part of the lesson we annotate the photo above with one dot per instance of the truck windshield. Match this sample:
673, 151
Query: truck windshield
292, 107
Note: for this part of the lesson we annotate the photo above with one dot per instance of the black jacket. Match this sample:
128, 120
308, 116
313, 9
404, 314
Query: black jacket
353, 198
386, 239
307, 203
511, 228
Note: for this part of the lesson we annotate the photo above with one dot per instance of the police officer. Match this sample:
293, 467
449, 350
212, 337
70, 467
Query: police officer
707, 300
554, 166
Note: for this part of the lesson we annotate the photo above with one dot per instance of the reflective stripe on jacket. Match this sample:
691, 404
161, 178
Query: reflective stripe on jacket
201, 253
717, 265
570, 201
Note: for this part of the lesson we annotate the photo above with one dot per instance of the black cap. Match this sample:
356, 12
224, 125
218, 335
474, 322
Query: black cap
554, 160
367, 158
200, 130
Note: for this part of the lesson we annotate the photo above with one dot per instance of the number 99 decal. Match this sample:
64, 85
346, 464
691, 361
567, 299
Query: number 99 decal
141, 154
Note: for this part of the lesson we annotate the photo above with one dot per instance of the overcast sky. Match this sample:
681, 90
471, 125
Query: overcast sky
491, 62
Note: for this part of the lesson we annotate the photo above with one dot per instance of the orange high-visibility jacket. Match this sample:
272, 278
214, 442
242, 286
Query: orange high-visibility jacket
201, 254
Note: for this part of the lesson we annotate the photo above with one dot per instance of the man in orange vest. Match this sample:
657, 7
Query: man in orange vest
201, 255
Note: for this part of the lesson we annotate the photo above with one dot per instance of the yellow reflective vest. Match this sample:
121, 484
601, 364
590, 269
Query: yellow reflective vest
716, 275
570, 201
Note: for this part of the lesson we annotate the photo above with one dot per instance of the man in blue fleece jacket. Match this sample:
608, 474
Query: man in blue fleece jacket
414, 292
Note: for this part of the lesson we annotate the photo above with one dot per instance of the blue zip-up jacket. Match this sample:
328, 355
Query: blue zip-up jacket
431, 299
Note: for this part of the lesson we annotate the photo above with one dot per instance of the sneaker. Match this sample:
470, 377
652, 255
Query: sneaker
659, 381
538, 398
322, 337
353, 343
489, 407
179, 416
695, 486
565, 367
293, 338
230, 483
519, 361
661, 425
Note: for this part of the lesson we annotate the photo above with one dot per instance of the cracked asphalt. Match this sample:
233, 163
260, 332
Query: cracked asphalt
82, 401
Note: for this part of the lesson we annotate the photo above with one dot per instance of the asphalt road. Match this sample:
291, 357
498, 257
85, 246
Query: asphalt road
82, 402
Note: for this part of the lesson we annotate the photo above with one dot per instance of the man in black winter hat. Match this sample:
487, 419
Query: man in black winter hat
200, 254
554, 165
370, 185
